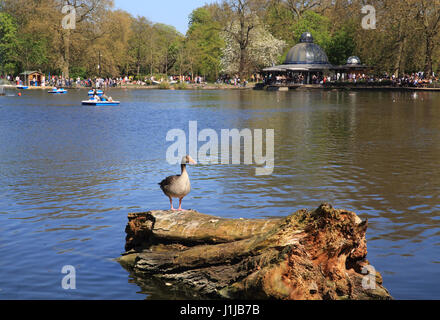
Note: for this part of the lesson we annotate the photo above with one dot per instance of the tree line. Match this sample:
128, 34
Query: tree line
229, 37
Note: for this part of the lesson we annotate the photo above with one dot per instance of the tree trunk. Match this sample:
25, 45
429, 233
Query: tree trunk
66, 62
242, 66
428, 56
402, 41
309, 255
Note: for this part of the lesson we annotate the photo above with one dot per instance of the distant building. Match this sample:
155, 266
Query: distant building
34, 78
352, 69
307, 63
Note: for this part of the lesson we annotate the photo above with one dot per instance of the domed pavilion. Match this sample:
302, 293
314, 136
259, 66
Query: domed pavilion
352, 69
305, 63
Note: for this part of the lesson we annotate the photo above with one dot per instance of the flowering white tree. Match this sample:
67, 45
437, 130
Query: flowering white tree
263, 49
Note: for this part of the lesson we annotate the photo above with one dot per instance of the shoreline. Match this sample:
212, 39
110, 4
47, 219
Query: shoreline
337, 87
257, 87
149, 87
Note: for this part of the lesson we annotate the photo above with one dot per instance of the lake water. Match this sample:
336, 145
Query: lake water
70, 174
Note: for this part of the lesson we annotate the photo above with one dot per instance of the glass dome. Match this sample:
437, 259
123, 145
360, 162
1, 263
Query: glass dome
354, 60
306, 52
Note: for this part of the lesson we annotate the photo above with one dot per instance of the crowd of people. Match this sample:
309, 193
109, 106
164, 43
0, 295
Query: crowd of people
408, 80
101, 82
237, 81
418, 79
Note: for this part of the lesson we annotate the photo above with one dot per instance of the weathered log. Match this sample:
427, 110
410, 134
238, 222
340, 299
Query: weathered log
190, 228
309, 255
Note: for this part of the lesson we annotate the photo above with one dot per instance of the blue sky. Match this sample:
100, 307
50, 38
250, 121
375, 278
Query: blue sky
172, 12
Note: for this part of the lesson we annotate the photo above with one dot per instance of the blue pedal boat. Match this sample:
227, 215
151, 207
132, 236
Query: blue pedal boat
100, 103
58, 91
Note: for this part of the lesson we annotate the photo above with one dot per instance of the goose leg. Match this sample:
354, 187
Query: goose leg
180, 204
171, 203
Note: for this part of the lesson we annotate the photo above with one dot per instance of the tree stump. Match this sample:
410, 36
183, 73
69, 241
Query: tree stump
310, 255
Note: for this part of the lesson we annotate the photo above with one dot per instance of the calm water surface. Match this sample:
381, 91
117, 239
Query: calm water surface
70, 174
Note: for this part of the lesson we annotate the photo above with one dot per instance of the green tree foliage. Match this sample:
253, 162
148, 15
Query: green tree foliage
138, 44
31, 37
204, 44
317, 25
341, 46
280, 22
31, 51
169, 42
8, 43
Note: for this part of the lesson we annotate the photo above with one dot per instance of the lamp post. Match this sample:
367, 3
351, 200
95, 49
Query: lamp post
99, 64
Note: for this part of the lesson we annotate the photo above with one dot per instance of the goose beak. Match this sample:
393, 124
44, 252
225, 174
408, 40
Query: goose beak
192, 162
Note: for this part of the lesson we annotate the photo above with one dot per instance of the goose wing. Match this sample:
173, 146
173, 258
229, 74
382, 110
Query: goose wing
168, 182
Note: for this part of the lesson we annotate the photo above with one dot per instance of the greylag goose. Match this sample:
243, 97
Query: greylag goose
178, 186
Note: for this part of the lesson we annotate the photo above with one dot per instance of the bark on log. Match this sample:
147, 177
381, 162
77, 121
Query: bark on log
309, 255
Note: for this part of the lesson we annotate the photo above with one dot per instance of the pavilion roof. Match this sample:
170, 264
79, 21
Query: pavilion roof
26, 73
299, 67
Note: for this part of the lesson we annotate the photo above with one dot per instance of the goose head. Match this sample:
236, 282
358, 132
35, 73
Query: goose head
188, 160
